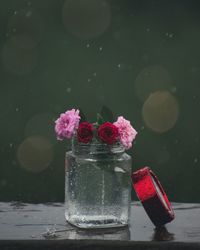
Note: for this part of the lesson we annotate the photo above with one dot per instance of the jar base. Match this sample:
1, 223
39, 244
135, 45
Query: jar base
88, 222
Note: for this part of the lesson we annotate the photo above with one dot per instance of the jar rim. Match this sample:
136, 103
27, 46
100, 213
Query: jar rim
97, 147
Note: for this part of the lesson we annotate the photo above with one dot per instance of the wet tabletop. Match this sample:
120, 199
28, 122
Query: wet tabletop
19, 221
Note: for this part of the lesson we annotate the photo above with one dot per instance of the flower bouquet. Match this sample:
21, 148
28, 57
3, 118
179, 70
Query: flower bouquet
69, 125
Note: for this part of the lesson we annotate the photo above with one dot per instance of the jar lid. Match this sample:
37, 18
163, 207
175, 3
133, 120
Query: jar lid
152, 196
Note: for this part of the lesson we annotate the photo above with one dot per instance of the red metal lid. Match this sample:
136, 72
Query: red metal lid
152, 196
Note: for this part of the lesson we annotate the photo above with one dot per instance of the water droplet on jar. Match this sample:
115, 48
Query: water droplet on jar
119, 170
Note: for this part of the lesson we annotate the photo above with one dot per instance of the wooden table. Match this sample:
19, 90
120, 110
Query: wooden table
43, 226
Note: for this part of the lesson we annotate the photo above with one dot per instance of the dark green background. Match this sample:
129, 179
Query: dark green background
50, 63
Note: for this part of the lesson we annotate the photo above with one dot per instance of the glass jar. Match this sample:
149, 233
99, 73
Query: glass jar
97, 185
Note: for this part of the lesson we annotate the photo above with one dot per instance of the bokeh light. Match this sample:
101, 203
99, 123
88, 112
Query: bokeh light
25, 28
151, 79
160, 111
41, 124
86, 18
18, 61
35, 154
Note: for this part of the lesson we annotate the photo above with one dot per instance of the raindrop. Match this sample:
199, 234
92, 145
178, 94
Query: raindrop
148, 29
195, 160
89, 80
88, 45
15, 12
119, 65
69, 90
11, 145
28, 13
17, 109
171, 35
100, 48
173, 89
95, 74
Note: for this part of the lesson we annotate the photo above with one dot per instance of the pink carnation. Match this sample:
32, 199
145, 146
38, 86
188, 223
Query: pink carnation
126, 132
67, 124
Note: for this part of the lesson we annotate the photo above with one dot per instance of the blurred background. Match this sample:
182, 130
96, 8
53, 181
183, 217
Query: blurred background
139, 58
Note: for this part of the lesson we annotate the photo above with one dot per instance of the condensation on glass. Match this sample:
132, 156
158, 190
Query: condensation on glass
97, 186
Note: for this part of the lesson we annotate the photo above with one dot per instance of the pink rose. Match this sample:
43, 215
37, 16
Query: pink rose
67, 124
126, 132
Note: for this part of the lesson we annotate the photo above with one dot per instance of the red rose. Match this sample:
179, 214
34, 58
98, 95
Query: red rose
108, 133
85, 132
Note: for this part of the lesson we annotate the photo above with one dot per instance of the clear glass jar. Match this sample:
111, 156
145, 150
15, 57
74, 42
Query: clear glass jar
97, 185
